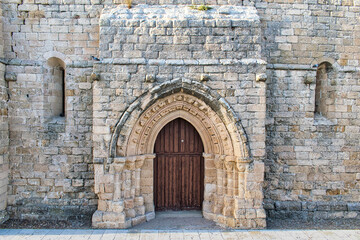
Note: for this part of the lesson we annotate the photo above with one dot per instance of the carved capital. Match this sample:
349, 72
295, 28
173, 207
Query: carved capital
130, 163
219, 161
241, 167
229, 165
208, 156
139, 161
243, 160
118, 165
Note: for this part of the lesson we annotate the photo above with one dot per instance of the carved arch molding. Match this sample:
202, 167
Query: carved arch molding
130, 171
214, 133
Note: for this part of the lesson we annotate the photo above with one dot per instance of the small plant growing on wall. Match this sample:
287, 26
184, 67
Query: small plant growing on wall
201, 7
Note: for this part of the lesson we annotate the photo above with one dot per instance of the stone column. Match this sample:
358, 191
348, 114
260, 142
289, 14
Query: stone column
210, 187
241, 203
117, 167
220, 186
241, 167
124, 206
139, 206
110, 213
146, 185
229, 164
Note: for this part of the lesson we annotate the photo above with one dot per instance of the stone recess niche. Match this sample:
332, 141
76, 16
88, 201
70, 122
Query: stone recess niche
158, 63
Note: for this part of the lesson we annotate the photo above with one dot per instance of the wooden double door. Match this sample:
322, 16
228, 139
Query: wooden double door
178, 167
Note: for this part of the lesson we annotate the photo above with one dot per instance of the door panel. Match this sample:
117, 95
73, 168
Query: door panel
178, 167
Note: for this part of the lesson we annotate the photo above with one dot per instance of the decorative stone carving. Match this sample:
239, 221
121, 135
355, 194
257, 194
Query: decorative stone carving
225, 173
196, 111
261, 77
124, 206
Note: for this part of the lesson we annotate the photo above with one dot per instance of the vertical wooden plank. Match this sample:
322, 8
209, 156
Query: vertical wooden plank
178, 167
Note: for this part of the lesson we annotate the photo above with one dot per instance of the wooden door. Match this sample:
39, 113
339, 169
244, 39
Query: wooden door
178, 167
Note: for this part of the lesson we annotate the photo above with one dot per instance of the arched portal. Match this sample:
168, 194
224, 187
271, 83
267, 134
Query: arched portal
130, 166
178, 167
213, 132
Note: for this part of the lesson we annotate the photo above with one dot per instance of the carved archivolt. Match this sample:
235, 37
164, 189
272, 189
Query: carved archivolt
217, 124
213, 132
125, 184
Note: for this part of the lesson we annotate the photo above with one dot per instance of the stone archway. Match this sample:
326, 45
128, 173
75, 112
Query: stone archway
212, 130
129, 170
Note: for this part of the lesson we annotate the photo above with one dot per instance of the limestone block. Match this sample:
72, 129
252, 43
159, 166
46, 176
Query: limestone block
129, 203
231, 222
130, 213
97, 217
105, 196
109, 225
351, 214
138, 220
117, 207
140, 210
139, 201
240, 213
99, 225
109, 187
260, 213
221, 220
149, 207
250, 213
150, 216
217, 209
242, 224
207, 206
85, 86
102, 205
209, 216
260, 223
113, 217
127, 224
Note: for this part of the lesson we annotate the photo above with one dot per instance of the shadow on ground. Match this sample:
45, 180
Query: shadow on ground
184, 220
181, 220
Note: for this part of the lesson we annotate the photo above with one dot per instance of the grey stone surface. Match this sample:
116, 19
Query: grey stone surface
312, 166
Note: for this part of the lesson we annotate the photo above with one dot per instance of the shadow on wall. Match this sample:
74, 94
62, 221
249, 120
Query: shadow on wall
54, 88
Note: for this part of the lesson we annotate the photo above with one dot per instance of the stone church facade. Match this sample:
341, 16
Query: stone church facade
270, 87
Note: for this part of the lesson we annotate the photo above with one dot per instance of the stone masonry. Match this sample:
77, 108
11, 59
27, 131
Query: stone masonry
177, 46
271, 86
4, 131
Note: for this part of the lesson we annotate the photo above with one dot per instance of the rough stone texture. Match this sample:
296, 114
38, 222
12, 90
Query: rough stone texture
51, 172
4, 132
312, 167
177, 45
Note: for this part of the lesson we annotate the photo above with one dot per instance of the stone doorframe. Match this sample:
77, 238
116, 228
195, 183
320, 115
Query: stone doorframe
125, 183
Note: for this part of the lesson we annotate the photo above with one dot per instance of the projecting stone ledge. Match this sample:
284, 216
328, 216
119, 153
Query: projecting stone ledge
181, 16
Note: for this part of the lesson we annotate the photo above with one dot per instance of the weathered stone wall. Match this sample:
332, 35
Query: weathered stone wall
51, 172
4, 131
312, 167
181, 50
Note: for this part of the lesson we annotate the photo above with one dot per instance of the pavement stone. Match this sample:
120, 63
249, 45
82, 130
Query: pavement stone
95, 234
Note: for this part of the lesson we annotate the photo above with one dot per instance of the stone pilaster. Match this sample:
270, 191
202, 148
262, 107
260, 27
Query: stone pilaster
121, 204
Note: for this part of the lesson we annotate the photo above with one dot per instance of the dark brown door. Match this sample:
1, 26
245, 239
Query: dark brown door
178, 167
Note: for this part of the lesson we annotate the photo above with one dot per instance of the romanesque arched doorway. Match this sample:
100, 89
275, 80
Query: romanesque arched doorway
232, 194
178, 167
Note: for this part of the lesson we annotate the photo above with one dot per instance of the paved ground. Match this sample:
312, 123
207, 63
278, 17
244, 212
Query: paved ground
179, 220
90, 234
188, 225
